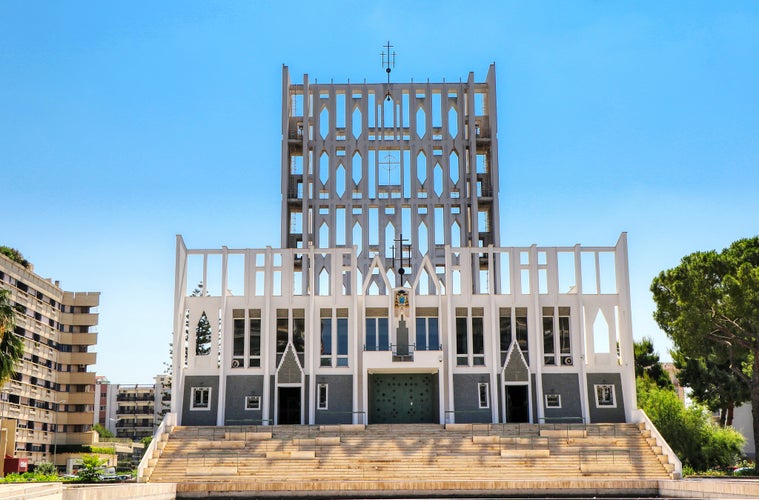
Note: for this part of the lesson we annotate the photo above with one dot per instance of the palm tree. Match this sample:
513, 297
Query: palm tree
11, 345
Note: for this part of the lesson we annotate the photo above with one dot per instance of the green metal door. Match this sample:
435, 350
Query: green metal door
403, 398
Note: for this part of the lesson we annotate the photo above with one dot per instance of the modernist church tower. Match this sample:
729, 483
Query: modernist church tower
392, 299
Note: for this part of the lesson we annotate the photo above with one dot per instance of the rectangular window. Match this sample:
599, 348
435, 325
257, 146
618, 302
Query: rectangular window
520, 317
483, 389
549, 357
376, 335
557, 339
605, 397
299, 328
252, 402
565, 339
326, 339
553, 400
238, 338
201, 398
478, 337
427, 332
504, 327
383, 334
282, 332
421, 334
254, 337
322, 397
462, 350
370, 341
342, 337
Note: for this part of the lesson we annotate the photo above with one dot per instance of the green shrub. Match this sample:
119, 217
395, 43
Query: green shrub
693, 436
46, 468
101, 450
30, 477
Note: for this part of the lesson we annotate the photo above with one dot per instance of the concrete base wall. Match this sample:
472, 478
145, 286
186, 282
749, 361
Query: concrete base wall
133, 491
710, 488
57, 491
31, 491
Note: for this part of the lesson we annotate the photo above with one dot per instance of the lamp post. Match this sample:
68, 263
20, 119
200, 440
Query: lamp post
55, 434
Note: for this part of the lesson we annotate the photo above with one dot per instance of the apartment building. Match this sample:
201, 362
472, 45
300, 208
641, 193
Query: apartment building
132, 411
50, 400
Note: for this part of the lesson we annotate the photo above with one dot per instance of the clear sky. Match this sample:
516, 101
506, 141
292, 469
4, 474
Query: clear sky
123, 124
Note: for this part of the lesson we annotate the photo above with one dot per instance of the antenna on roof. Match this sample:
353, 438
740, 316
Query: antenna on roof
388, 62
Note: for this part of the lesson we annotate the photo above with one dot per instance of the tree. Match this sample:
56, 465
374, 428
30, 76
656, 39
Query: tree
102, 431
647, 364
203, 336
11, 345
711, 300
712, 383
91, 468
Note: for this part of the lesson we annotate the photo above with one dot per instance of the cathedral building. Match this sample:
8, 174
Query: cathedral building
392, 299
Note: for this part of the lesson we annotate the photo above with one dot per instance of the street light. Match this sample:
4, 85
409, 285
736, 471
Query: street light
55, 434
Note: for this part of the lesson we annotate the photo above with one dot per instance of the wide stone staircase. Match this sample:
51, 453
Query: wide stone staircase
411, 458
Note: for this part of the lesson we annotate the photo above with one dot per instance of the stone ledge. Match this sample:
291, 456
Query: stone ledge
525, 453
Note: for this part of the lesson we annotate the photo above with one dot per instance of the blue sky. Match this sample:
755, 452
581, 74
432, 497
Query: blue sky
123, 124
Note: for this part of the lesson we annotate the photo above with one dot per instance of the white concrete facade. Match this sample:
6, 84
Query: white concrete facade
329, 329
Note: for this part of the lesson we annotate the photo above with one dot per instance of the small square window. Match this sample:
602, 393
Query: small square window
483, 389
553, 400
605, 397
252, 402
201, 398
323, 396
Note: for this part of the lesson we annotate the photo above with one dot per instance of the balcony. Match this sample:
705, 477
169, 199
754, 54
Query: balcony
80, 319
78, 338
77, 398
86, 378
76, 418
134, 398
383, 360
144, 410
78, 358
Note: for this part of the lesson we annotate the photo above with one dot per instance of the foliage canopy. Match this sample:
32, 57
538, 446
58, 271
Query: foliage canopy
11, 345
709, 306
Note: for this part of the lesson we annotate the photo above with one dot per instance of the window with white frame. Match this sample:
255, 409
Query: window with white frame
470, 340
377, 332
513, 322
557, 348
322, 396
553, 400
427, 331
201, 398
334, 338
246, 338
483, 389
252, 402
605, 397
